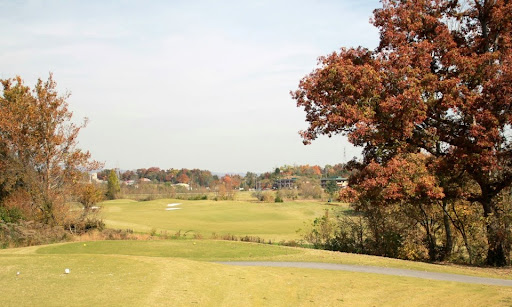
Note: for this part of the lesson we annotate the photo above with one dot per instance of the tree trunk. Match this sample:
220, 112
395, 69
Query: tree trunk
448, 247
431, 244
496, 236
459, 226
430, 240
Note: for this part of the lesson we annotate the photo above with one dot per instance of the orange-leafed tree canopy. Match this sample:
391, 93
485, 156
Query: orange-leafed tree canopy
38, 147
440, 82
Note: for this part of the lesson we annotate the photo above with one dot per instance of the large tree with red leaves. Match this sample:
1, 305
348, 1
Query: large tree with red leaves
440, 82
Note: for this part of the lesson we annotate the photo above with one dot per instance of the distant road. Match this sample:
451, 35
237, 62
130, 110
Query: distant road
377, 270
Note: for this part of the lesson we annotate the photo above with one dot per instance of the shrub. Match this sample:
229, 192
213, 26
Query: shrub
152, 232
30, 233
252, 239
119, 234
279, 197
310, 190
198, 236
265, 196
19, 202
225, 193
197, 197
323, 230
257, 195
290, 194
10, 215
90, 194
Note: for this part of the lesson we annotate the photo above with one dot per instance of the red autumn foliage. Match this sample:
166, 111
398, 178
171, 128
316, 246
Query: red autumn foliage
403, 178
439, 82
183, 178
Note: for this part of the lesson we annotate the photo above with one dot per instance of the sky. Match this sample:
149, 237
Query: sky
186, 84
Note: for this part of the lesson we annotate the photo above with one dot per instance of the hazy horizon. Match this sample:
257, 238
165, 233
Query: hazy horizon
186, 84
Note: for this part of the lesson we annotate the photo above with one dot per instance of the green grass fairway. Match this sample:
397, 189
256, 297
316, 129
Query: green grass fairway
269, 221
169, 273
211, 250
179, 272
207, 250
94, 280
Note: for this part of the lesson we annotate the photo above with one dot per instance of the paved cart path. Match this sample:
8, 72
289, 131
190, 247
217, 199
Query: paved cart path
377, 270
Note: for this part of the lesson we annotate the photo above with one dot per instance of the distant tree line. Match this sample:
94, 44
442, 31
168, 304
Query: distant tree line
197, 178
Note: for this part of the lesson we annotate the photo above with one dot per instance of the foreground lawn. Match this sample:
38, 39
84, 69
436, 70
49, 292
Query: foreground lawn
211, 250
164, 273
94, 280
270, 221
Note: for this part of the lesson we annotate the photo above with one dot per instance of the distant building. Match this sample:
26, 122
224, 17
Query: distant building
144, 180
286, 183
184, 185
93, 178
340, 181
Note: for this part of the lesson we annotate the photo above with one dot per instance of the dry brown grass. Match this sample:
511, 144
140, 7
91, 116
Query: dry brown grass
113, 234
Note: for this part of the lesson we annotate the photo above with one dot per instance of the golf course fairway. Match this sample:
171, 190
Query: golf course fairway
181, 273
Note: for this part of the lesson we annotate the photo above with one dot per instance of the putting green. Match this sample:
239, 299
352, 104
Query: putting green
270, 221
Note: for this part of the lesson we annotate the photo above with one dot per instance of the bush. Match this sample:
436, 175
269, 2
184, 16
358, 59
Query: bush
225, 192
322, 231
290, 194
149, 197
354, 235
118, 234
81, 226
309, 190
152, 232
18, 204
89, 195
197, 197
257, 195
278, 198
266, 196
10, 215
30, 233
